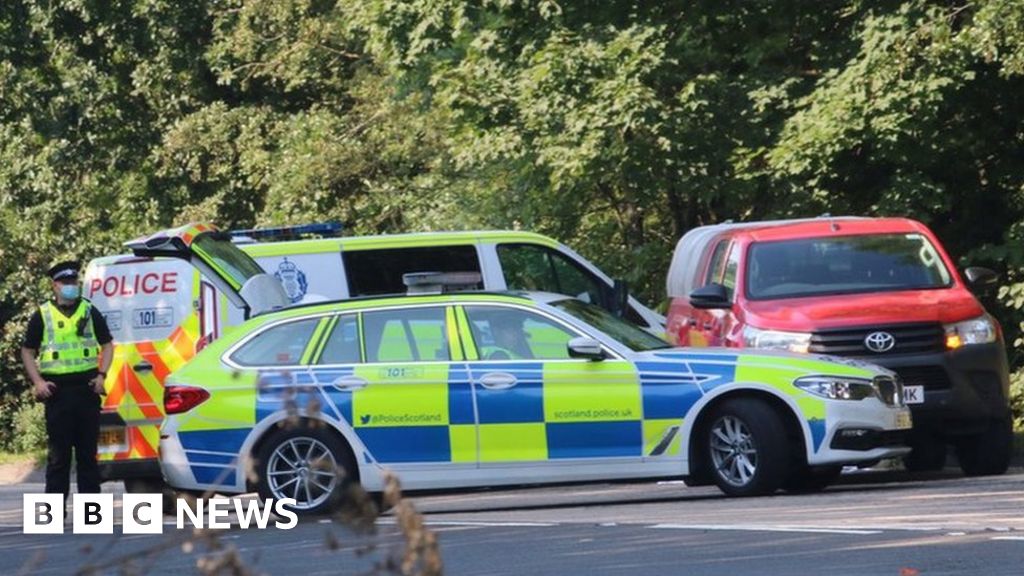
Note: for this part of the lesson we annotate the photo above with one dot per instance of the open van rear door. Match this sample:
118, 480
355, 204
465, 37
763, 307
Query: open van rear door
232, 271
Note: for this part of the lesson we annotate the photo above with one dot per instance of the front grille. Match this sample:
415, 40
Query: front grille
909, 339
892, 438
870, 440
931, 377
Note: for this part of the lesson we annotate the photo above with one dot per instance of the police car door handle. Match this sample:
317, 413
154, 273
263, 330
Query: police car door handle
498, 380
346, 383
143, 367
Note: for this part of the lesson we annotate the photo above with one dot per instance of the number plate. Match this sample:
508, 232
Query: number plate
904, 421
112, 440
152, 317
913, 394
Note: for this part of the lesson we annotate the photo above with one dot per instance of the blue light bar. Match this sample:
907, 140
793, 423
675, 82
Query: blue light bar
322, 228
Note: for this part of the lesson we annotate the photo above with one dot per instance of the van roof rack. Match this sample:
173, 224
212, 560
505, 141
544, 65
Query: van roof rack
326, 229
440, 282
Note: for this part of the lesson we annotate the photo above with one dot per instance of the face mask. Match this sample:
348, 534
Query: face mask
70, 291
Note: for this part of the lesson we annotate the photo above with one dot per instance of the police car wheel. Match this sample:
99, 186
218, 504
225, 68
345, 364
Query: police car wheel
308, 465
748, 453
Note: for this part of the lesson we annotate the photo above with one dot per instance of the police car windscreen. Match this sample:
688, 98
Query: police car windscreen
635, 338
843, 265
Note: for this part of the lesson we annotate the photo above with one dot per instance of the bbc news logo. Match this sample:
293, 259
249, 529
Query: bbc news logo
143, 513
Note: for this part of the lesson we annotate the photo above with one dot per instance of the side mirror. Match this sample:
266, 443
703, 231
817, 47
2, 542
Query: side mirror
588, 348
979, 277
711, 296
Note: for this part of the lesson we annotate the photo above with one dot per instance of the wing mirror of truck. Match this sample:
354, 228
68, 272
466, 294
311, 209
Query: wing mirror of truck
980, 277
588, 348
710, 296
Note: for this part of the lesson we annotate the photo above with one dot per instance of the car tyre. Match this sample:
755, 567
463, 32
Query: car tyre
747, 448
988, 453
311, 465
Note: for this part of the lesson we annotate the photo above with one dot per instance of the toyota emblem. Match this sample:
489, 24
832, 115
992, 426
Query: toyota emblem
879, 342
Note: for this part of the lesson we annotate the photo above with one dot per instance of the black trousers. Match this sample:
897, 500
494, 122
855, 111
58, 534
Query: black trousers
72, 422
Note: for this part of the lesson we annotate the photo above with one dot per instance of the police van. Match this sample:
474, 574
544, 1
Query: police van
161, 311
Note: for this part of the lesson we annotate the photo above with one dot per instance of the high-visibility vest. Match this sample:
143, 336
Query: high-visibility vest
66, 348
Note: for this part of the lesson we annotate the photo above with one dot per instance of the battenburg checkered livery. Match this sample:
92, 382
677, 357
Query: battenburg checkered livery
476, 389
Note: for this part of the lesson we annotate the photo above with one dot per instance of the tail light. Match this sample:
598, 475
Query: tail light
178, 399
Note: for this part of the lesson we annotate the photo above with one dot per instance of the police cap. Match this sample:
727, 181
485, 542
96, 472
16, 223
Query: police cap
64, 270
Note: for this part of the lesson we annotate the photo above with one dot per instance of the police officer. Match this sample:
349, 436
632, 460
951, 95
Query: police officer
72, 344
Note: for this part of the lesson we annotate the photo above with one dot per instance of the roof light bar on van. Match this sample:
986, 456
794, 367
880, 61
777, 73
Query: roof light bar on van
440, 282
322, 228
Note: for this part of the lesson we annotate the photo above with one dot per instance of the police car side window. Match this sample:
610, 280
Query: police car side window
374, 272
511, 334
406, 335
342, 345
280, 345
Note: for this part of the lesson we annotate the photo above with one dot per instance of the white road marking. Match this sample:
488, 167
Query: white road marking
1015, 538
476, 523
756, 528
489, 524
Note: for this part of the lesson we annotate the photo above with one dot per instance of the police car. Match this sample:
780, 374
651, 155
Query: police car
465, 389
161, 310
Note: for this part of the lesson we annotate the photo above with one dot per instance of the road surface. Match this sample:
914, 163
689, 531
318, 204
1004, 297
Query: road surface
885, 523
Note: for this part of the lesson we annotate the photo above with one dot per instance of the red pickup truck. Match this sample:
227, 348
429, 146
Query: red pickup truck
877, 289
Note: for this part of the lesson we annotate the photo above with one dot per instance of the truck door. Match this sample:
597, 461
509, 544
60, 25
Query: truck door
712, 327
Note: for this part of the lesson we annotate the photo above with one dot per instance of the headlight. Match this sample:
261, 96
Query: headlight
776, 340
837, 387
980, 330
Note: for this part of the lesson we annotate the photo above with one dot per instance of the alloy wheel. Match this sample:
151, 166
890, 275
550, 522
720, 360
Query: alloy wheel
733, 450
304, 469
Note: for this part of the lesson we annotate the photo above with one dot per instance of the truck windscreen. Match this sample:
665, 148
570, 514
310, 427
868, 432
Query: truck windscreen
843, 265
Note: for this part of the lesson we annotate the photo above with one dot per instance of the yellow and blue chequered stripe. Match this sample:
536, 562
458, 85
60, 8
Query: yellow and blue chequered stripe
433, 413
714, 370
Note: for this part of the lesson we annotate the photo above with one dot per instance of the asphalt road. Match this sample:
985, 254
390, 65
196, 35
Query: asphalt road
872, 523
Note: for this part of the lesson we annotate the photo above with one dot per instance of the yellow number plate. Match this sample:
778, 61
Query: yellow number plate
904, 420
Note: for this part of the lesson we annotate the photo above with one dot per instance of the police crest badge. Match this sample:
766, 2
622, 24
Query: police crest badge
292, 279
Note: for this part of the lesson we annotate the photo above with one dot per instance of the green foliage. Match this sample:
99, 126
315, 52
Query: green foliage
613, 125
1017, 400
29, 428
